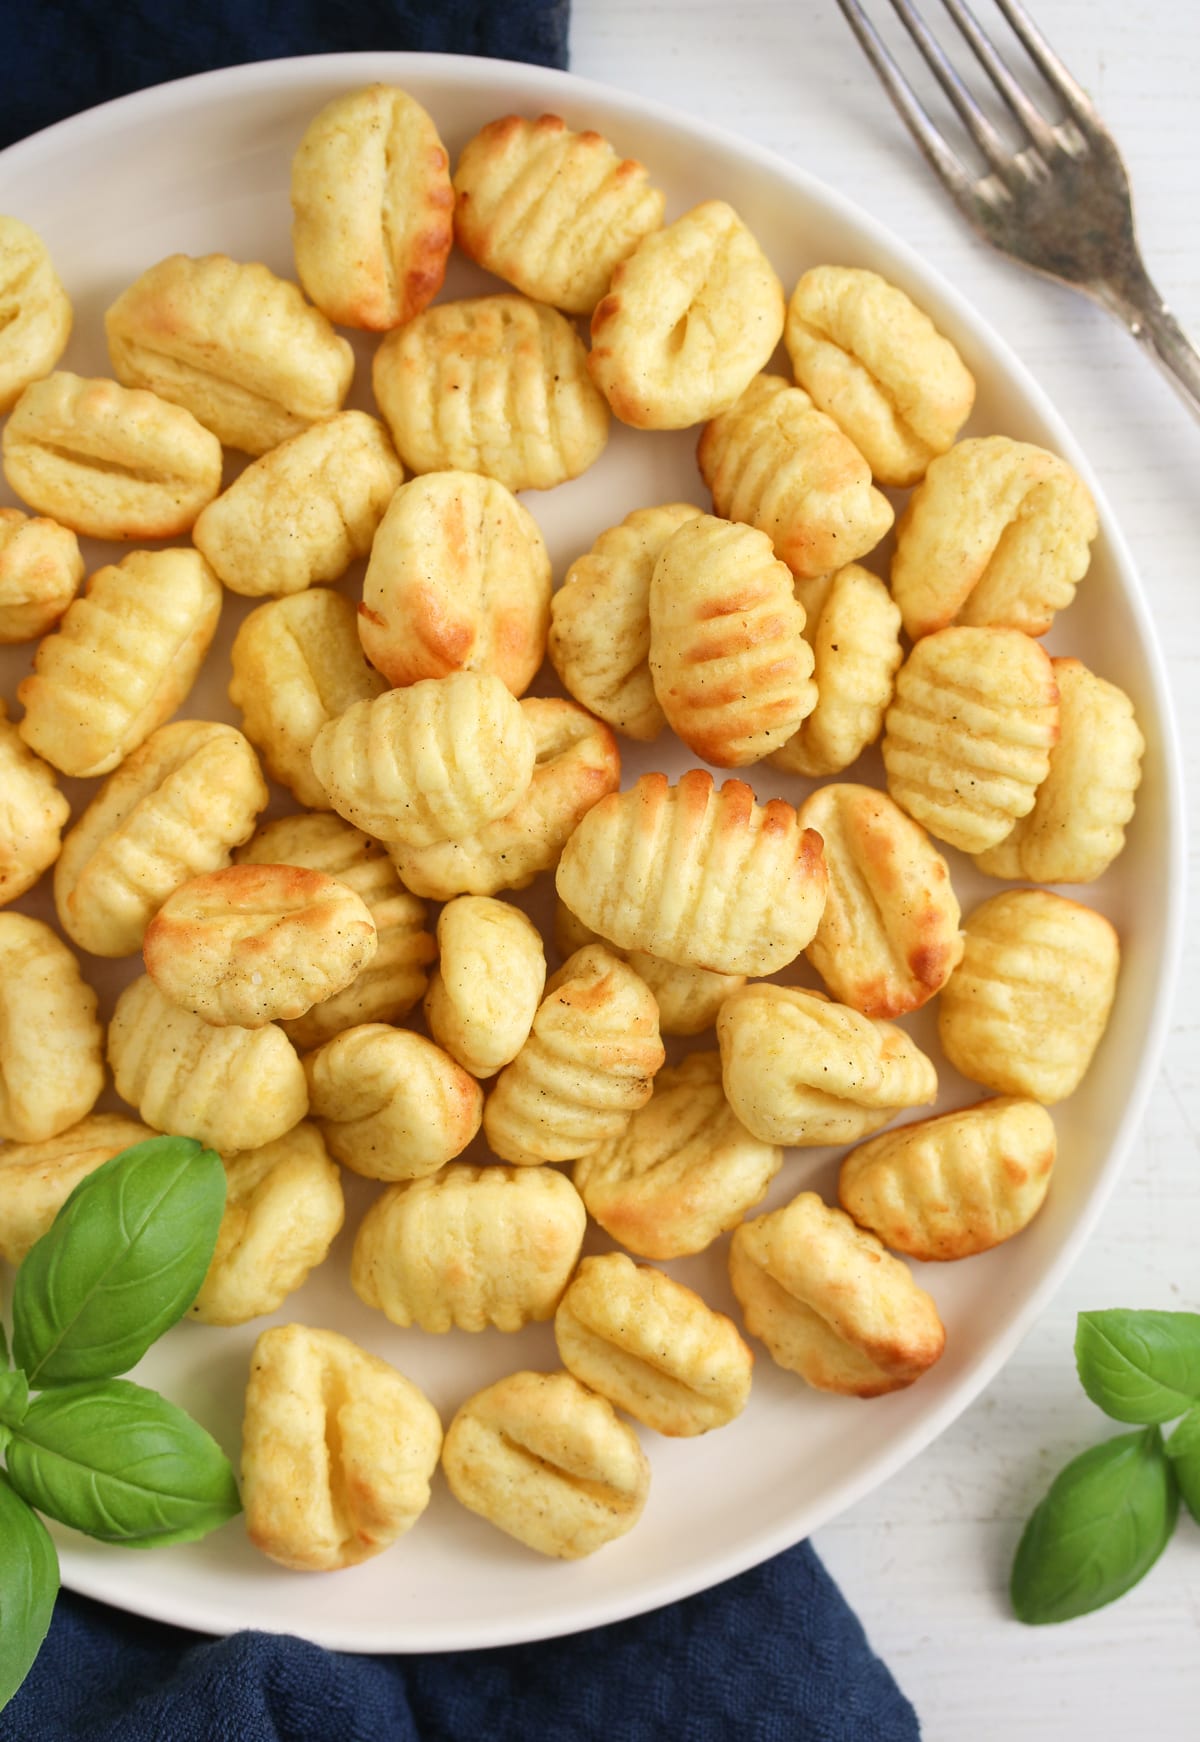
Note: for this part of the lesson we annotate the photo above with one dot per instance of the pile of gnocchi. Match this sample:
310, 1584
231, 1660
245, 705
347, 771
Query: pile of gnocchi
289, 958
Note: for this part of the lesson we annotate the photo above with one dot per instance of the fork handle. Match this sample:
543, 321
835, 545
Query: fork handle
1138, 306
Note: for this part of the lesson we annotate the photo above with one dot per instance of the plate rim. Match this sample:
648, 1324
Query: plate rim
85, 1574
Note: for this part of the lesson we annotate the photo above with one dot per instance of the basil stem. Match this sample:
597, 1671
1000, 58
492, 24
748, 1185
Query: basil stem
1104, 1522
1139, 1366
122, 1464
123, 1260
28, 1587
1183, 1449
14, 1401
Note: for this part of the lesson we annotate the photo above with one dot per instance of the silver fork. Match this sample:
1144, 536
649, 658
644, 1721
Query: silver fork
1060, 202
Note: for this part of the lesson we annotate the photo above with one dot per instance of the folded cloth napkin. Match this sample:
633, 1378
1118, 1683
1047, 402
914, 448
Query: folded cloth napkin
61, 56
772, 1656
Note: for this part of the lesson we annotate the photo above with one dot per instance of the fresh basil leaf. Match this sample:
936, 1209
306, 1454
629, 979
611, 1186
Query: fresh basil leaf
1139, 1366
1105, 1521
123, 1260
3, 1345
122, 1464
28, 1587
1183, 1449
14, 1401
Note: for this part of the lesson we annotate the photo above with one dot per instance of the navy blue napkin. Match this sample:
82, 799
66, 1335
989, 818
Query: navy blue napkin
61, 56
773, 1656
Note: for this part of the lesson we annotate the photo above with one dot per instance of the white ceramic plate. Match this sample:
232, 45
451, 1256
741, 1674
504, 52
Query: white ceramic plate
203, 165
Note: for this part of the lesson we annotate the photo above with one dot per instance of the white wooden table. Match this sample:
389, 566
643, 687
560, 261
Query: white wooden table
925, 1559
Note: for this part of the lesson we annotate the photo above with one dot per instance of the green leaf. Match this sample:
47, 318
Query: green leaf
28, 1587
1105, 1521
123, 1260
1139, 1366
122, 1464
14, 1401
1183, 1449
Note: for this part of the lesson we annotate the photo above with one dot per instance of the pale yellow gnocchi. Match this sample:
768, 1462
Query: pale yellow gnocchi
338, 1449
470, 1247
488, 983
889, 938
684, 1170
394, 979
283, 1210
697, 875
967, 739
35, 311
429, 763
552, 211
949, 1187
389, 1103
304, 511
548, 1462
589, 1062
799, 1069
372, 204
689, 319
175, 808
599, 640
298, 666
576, 764
652, 1347
731, 668
853, 627
40, 571
51, 1040
875, 362
32, 813
1026, 1009
232, 1088
109, 461
234, 344
123, 658
773, 460
495, 384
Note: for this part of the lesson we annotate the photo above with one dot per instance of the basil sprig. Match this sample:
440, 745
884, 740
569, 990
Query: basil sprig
1111, 1512
122, 1262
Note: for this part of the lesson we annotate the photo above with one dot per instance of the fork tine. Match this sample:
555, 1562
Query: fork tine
1026, 112
914, 116
1075, 99
972, 116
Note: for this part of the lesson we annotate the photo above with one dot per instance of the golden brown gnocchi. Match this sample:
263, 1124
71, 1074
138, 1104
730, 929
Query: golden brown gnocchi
36, 1179
32, 813
40, 570
830, 1303
35, 311
253, 944
372, 204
